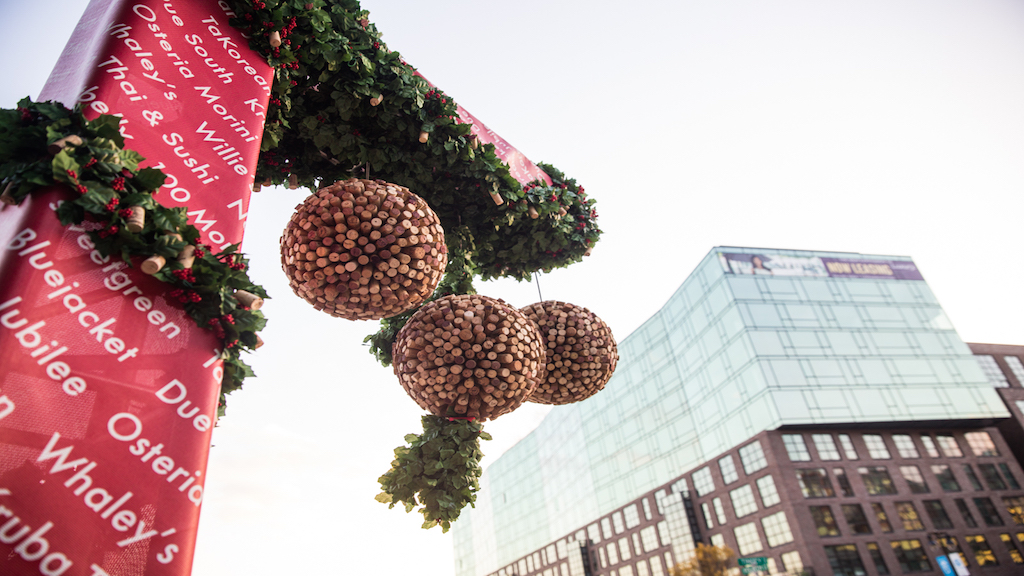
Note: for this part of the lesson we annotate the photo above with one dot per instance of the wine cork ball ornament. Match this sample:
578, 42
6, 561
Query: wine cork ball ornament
364, 250
468, 356
581, 352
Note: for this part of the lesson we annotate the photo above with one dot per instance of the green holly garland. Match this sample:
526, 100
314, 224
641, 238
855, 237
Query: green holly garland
89, 156
439, 471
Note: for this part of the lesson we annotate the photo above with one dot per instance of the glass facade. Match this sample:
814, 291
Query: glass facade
728, 356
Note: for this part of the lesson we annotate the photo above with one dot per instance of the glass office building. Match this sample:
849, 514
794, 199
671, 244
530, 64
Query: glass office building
753, 341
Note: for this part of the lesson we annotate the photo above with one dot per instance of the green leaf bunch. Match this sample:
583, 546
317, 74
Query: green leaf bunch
439, 471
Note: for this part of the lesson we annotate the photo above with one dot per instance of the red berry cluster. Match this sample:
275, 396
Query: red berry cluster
184, 296
185, 275
81, 188
215, 325
72, 174
125, 213
26, 115
108, 232
112, 205
228, 319
92, 162
259, 4
118, 184
201, 250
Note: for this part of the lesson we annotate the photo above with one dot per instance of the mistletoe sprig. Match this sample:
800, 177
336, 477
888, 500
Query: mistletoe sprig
45, 143
439, 471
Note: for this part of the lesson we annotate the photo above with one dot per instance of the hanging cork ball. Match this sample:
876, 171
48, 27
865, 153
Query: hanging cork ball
364, 250
581, 353
468, 356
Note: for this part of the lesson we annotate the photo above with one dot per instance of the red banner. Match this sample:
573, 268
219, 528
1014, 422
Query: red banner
108, 392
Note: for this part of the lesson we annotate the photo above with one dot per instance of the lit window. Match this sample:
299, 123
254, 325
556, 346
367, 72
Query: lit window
702, 482
617, 522
626, 571
791, 562
824, 521
983, 554
747, 539
988, 511
719, 510
632, 516
911, 556
776, 529
905, 446
769, 494
743, 501
848, 448
909, 516
844, 481
728, 468
707, 515
825, 446
845, 560
752, 457
881, 516
1016, 366
876, 447
855, 519
656, 569
876, 557
606, 528
929, 446
637, 547
981, 444
613, 553
1015, 506
641, 568
876, 480
945, 477
663, 533
647, 508
965, 512
914, 478
992, 372
624, 552
949, 446
937, 513
593, 533
717, 540
796, 448
649, 538
1011, 548
992, 477
814, 483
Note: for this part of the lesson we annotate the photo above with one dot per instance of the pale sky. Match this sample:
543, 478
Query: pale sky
872, 126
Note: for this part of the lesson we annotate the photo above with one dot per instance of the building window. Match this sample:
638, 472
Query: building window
845, 560
911, 556
1016, 367
824, 521
825, 446
747, 539
666, 538
1015, 506
624, 549
637, 548
992, 477
966, 513
743, 501
877, 559
796, 448
876, 447
844, 481
719, 510
949, 446
593, 533
1010, 479
717, 540
914, 479
988, 511
881, 516
617, 522
945, 477
791, 562
981, 444
632, 516
728, 468
769, 494
909, 516
975, 483
613, 553
649, 538
848, 449
776, 529
626, 571
647, 508
656, 569
707, 515
752, 457
814, 483
606, 528
983, 554
992, 372
641, 568
876, 480
929, 446
856, 519
702, 482
937, 512
1012, 549
905, 446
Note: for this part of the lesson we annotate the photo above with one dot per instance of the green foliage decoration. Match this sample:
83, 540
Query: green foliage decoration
439, 471
106, 180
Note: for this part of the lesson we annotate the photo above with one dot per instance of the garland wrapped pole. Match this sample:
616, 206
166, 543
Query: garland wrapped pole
121, 329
